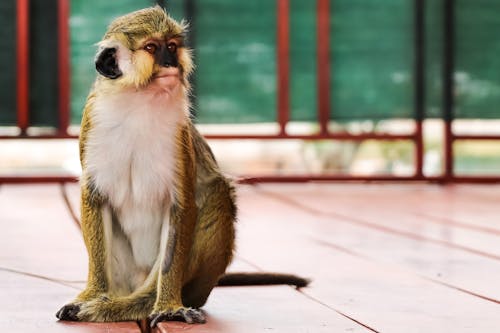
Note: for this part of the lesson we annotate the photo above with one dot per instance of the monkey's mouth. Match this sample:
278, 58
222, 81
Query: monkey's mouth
167, 72
167, 77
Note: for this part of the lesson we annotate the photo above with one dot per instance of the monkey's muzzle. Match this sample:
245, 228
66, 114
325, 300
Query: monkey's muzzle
167, 76
168, 59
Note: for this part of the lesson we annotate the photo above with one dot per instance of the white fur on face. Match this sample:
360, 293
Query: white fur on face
166, 79
123, 56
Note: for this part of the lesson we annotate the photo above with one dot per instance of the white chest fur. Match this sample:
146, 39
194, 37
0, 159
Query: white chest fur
130, 156
130, 151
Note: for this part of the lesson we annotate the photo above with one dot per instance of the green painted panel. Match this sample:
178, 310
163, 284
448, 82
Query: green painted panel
236, 61
8, 63
372, 59
88, 23
477, 59
44, 89
303, 87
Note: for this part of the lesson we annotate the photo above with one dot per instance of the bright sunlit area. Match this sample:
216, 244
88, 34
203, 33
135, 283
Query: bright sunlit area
273, 157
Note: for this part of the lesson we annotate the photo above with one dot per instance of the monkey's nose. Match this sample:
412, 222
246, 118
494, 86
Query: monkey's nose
169, 60
169, 64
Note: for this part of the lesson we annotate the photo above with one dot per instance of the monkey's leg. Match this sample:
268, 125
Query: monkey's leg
213, 247
176, 244
93, 235
177, 240
195, 292
129, 296
135, 306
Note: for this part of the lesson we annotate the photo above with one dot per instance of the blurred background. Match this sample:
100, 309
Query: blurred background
284, 89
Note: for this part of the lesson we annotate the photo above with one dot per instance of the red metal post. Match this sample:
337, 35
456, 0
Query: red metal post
64, 71
323, 63
283, 63
22, 65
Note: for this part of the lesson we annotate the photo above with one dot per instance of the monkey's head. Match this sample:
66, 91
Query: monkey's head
144, 49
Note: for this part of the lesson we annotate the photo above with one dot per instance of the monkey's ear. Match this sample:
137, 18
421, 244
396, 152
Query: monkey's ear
106, 63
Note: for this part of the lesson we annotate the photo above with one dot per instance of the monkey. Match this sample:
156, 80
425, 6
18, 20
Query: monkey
157, 214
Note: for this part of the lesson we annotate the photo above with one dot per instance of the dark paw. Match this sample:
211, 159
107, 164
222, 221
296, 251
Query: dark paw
189, 315
69, 312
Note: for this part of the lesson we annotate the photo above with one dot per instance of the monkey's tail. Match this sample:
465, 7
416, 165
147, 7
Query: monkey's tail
262, 279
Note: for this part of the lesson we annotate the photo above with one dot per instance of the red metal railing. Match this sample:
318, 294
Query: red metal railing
283, 97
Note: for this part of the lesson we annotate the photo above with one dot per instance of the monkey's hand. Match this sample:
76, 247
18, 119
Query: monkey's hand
108, 309
74, 311
189, 315
69, 312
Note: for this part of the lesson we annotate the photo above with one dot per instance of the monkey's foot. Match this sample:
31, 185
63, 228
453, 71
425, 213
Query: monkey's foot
189, 315
69, 312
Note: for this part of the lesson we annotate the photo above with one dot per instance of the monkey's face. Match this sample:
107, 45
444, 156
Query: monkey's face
144, 49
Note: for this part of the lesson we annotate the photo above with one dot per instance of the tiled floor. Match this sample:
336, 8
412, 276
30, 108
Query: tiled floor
383, 258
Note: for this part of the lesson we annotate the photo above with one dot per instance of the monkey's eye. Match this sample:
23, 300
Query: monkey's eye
151, 48
172, 47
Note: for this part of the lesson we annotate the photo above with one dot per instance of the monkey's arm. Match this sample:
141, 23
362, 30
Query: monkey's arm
92, 229
92, 220
93, 236
182, 220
